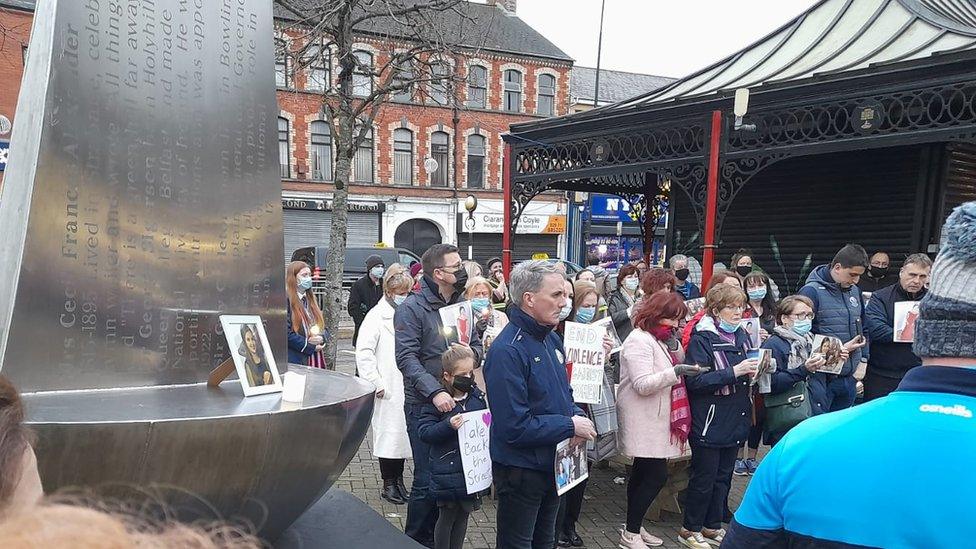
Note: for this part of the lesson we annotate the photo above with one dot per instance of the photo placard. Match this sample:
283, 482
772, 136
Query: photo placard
906, 314
571, 467
830, 348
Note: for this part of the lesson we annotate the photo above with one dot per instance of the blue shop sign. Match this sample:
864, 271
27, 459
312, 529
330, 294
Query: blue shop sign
4, 149
609, 207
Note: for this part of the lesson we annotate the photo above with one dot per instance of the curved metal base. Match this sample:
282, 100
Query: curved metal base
256, 459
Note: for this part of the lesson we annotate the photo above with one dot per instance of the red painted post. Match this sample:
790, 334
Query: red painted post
711, 200
507, 210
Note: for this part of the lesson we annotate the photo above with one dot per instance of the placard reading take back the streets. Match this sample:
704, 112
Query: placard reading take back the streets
584, 350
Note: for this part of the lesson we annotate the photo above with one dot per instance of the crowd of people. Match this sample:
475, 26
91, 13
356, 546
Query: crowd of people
703, 375
688, 383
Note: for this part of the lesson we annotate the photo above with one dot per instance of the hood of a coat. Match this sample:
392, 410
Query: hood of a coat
821, 275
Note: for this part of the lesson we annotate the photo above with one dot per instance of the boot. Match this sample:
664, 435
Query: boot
402, 490
390, 492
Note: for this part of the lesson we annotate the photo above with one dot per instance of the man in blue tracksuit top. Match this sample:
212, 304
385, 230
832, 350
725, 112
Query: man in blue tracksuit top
532, 408
839, 480
838, 307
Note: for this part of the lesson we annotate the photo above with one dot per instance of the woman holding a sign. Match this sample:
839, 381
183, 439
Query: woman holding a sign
376, 363
721, 412
459, 472
652, 407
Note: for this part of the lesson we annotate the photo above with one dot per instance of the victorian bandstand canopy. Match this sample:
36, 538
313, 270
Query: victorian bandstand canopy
846, 75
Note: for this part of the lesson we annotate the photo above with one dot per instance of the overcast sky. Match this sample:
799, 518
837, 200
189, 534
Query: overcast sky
662, 37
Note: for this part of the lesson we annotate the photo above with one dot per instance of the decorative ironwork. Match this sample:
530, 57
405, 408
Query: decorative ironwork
522, 194
734, 175
682, 139
933, 108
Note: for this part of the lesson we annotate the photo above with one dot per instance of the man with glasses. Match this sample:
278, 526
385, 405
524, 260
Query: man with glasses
420, 342
891, 360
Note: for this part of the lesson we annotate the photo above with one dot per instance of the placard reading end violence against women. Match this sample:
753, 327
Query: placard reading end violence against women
584, 349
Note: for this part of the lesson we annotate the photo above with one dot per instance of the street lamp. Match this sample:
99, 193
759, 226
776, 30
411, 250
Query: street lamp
470, 204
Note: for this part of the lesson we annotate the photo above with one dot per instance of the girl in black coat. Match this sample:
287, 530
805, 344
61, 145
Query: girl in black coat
439, 430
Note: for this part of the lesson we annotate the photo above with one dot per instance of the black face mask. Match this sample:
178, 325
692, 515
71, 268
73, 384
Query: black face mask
460, 279
463, 383
743, 270
879, 272
682, 274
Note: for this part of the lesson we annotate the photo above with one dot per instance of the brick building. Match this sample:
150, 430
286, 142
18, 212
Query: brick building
514, 76
15, 26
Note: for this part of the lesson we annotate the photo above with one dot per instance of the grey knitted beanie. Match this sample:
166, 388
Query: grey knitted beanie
946, 324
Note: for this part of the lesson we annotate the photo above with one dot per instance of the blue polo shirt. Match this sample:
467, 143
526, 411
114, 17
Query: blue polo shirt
896, 472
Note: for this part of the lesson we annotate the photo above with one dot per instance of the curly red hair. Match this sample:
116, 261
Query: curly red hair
657, 307
657, 279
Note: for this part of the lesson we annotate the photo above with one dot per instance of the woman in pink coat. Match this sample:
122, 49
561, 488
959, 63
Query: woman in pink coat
652, 407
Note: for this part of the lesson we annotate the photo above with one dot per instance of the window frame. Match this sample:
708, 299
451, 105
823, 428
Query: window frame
481, 85
284, 170
443, 168
484, 155
369, 145
514, 88
435, 89
313, 155
398, 150
358, 72
404, 96
551, 96
324, 56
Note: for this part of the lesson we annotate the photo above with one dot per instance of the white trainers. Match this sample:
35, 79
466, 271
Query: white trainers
631, 541
714, 537
650, 540
695, 540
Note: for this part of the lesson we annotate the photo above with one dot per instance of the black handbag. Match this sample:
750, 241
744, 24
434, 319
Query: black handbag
787, 409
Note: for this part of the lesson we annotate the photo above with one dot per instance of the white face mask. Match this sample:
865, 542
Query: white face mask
631, 283
564, 312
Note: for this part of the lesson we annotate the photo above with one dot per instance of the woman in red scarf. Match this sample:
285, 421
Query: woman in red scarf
652, 407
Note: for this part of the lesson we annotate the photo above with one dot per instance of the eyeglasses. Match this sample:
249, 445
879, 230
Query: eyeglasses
804, 316
736, 308
452, 268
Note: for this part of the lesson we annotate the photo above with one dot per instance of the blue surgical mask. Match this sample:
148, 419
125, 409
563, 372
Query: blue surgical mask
631, 283
728, 327
304, 284
399, 299
564, 312
757, 294
802, 327
585, 314
377, 271
479, 304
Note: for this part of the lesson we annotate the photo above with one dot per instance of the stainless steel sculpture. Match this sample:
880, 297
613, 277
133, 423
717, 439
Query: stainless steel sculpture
142, 199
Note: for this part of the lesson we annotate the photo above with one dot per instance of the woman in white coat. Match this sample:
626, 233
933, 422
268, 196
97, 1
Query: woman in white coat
376, 363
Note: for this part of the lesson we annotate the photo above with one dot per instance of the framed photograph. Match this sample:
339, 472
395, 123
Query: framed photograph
457, 323
765, 358
252, 354
906, 313
830, 348
752, 327
571, 467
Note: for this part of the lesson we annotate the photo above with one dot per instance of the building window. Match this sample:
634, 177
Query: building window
321, 154
547, 95
476, 162
284, 151
362, 162
318, 69
440, 151
440, 83
402, 156
477, 87
513, 91
404, 74
281, 62
362, 76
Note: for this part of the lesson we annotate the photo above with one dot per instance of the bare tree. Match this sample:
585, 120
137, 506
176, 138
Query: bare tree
416, 41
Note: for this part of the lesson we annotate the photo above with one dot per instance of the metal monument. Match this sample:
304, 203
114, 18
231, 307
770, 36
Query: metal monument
141, 201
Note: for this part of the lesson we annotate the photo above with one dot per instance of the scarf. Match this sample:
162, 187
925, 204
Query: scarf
680, 406
800, 347
317, 358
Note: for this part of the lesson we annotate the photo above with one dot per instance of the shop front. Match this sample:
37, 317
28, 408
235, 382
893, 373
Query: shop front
613, 233
481, 235
308, 222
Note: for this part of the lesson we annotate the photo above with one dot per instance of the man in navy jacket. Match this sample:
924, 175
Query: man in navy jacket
420, 342
890, 361
532, 408
802, 495
839, 309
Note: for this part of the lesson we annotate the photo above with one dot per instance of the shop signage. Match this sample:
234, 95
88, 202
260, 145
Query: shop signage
326, 205
528, 223
609, 207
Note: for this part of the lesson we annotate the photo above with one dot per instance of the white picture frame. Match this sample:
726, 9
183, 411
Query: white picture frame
249, 371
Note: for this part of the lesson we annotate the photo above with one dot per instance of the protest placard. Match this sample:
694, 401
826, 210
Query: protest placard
752, 327
906, 313
607, 325
584, 349
457, 323
475, 456
829, 348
